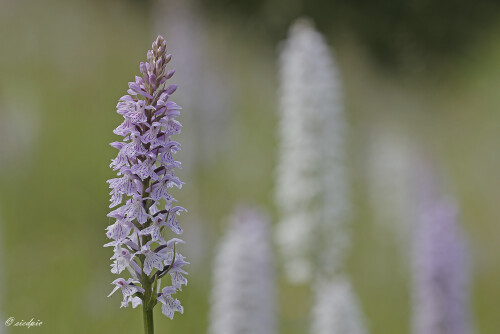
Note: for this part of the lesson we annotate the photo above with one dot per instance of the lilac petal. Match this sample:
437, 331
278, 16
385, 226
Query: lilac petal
131, 244
168, 290
152, 79
173, 224
128, 290
116, 199
117, 144
173, 241
136, 268
117, 213
114, 290
172, 127
167, 310
151, 134
124, 185
135, 89
171, 105
144, 169
142, 68
169, 74
153, 260
139, 289
154, 231
122, 259
178, 280
160, 190
173, 145
135, 209
172, 113
137, 115
125, 104
135, 148
119, 230
178, 209
120, 160
170, 306
171, 89
125, 128
136, 301
112, 244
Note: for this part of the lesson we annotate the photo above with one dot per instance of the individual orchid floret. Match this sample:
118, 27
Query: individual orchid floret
136, 301
152, 259
169, 304
120, 230
129, 290
177, 273
128, 287
141, 195
123, 260
243, 295
155, 229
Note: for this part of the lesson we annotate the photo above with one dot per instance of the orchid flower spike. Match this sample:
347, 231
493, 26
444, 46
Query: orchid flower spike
141, 192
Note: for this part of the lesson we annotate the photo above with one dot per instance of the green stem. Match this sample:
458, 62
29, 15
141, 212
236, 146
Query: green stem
147, 311
148, 320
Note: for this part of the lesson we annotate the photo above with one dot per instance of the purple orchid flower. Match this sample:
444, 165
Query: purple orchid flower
141, 191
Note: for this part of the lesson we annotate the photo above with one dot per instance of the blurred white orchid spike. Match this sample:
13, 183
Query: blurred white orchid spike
311, 189
243, 296
336, 309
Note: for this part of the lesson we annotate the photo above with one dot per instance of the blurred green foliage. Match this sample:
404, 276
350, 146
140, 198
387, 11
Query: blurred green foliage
397, 33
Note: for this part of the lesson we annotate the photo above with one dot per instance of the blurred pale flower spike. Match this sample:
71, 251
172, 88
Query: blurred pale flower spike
311, 189
243, 277
336, 309
441, 277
